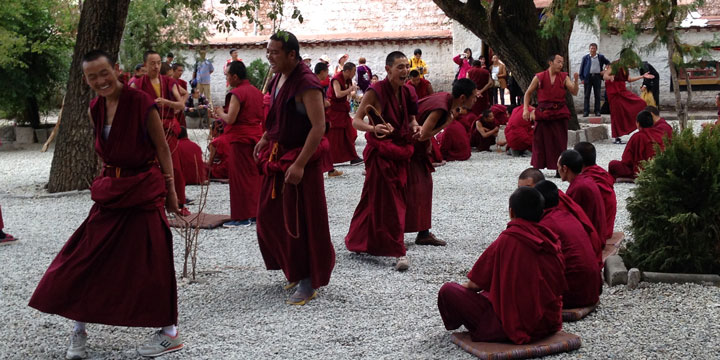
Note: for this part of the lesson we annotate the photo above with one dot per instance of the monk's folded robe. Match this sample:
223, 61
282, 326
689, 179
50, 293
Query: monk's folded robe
605, 183
242, 135
597, 242
292, 221
551, 121
117, 268
624, 105
378, 224
454, 142
341, 134
519, 132
663, 126
582, 273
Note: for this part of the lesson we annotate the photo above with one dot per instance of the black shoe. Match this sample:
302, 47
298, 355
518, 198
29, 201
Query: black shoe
586, 114
356, 161
618, 141
597, 114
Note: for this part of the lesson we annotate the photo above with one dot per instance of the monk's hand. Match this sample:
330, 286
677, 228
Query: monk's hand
416, 129
576, 76
383, 129
259, 147
532, 116
648, 76
171, 202
219, 110
294, 174
526, 114
160, 101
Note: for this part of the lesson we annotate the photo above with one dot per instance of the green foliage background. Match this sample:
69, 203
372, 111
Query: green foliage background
674, 208
36, 43
256, 72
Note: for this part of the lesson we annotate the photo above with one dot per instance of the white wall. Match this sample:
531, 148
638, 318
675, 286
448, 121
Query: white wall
464, 38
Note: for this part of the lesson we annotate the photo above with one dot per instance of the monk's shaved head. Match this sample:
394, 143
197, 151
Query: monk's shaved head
463, 87
390, 59
587, 151
527, 203
530, 177
644, 119
572, 160
549, 191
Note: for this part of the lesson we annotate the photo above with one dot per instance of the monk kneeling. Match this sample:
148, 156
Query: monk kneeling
515, 288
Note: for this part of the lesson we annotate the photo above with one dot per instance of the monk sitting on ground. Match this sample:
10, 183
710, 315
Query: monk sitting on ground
485, 132
604, 182
454, 140
515, 288
191, 160
219, 152
659, 123
422, 87
640, 147
582, 189
519, 133
581, 270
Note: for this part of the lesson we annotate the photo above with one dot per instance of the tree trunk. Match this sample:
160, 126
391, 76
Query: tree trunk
74, 162
679, 106
512, 29
32, 112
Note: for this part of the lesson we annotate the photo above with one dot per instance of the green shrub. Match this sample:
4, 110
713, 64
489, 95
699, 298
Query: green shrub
256, 72
675, 208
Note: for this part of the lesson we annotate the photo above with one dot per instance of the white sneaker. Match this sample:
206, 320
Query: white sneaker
77, 348
160, 344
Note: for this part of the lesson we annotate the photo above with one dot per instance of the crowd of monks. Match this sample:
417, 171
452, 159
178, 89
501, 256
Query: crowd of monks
274, 148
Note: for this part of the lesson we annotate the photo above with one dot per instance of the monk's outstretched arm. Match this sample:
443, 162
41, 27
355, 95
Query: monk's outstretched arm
157, 136
528, 94
313, 101
572, 86
233, 110
427, 130
340, 92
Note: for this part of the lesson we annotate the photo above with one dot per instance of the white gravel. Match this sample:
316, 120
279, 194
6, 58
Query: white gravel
368, 311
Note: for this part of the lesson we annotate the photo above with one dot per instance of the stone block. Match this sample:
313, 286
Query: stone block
615, 271
581, 136
572, 138
596, 133
633, 278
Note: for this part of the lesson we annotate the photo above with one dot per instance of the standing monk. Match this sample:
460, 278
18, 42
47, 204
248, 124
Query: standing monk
435, 112
552, 115
483, 82
243, 113
604, 181
292, 221
378, 224
166, 94
117, 268
177, 71
341, 134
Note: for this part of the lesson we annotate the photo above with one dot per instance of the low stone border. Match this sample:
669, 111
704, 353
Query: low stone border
615, 271
617, 274
590, 134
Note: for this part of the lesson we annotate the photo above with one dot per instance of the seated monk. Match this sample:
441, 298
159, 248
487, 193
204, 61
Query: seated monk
454, 142
485, 132
467, 118
582, 273
604, 182
515, 288
219, 150
660, 123
500, 113
191, 160
422, 87
519, 133
583, 189
640, 147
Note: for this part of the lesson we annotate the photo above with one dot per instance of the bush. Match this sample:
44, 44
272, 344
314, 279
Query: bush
256, 72
674, 208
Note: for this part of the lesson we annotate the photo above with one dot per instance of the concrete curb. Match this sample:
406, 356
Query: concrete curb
673, 278
615, 271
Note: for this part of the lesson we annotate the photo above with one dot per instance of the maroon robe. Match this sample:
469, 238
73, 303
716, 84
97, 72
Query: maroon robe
170, 124
480, 76
436, 154
378, 224
500, 114
243, 135
181, 115
585, 193
220, 163
581, 268
664, 127
467, 120
519, 132
454, 142
480, 142
597, 242
117, 268
624, 105
422, 89
292, 221
605, 183
521, 273
419, 189
341, 134
640, 147
191, 162
551, 121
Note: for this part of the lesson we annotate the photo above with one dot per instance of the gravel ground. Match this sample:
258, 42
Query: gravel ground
368, 310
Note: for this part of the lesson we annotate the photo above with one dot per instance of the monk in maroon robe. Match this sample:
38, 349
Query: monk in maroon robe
292, 220
5, 238
378, 224
660, 123
483, 82
422, 87
624, 104
467, 118
435, 153
515, 288
604, 182
519, 133
583, 189
341, 134
640, 147
582, 272
485, 131
117, 268
551, 115
166, 94
191, 160
243, 113
177, 71
435, 112
454, 142
500, 114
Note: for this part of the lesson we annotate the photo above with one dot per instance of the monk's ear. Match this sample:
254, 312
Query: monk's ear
512, 213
